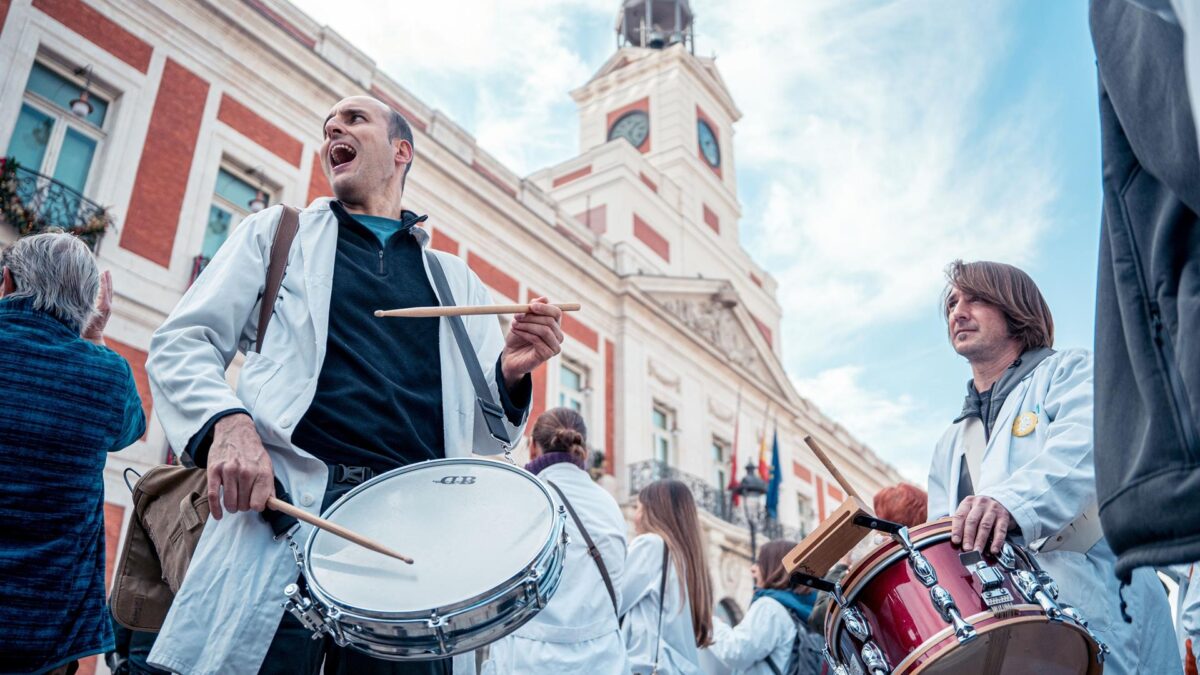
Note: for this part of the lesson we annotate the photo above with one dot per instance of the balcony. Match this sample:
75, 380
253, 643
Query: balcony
33, 203
708, 498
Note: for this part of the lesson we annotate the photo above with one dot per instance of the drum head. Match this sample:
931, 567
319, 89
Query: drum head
1019, 647
469, 525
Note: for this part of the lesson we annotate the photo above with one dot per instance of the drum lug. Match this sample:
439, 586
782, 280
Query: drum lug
1073, 614
1008, 558
438, 625
944, 603
532, 595
297, 554
920, 565
873, 658
1028, 584
1047, 583
835, 666
856, 624
305, 611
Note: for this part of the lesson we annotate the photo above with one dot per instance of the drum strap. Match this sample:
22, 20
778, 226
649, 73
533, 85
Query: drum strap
493, 414
662, 602
591, 548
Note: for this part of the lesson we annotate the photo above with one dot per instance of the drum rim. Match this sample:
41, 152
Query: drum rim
318, 593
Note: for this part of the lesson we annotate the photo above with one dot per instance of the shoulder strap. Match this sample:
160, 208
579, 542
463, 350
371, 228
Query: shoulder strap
285, 233
493, 413
591, 548
662, 601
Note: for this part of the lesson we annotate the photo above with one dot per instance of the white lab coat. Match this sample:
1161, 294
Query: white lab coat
577, 631
229, 606
767, 630
1046, 479
640, 607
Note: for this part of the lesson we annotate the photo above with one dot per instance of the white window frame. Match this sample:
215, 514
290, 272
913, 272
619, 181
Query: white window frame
720, 466
806, 513
582, 396
663, 437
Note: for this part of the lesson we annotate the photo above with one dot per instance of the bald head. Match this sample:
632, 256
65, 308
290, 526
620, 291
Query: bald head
367, 151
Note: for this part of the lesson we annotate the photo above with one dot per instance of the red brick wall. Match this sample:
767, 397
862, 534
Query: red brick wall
765, 330
595, 218
162, 174
649, 183
494, 277
711, 219
318, 185
651, 237
444, 242
613, 116
802, 472
610, 390
576, 329
99, 30
717, 135
251, 125
3, 13
836, 494
137, 363
568, 177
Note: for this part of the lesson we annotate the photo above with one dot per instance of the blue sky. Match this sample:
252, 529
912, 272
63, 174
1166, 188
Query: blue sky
879, 141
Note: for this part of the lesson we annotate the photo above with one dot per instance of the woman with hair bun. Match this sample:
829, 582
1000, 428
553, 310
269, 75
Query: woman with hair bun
577, 631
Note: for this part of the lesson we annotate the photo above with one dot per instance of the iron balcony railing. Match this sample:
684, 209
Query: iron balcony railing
32, 203
709, 498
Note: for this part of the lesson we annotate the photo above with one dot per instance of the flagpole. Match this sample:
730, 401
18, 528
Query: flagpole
737, 418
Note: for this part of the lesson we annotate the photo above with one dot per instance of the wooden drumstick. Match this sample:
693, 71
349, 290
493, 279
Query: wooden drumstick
837, 475
456, 310
276, 504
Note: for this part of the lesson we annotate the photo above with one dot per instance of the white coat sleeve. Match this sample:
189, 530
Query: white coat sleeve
215, 317
1056, 485
760, 632
489, 343
643, 571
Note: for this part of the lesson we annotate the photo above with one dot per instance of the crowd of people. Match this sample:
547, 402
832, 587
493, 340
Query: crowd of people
1089, 462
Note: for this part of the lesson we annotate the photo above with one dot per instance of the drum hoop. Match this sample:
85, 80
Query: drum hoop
318, 593
948, 632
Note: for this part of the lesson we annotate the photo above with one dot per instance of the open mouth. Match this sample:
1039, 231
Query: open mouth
341, 154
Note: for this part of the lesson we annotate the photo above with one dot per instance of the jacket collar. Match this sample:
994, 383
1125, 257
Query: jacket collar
409, 221
22, 307
1019, 370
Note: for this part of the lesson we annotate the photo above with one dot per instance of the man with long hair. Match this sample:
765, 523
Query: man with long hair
1018, 461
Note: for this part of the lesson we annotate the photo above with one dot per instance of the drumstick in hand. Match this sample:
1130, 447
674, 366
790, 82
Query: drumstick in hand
298, 513
456, 310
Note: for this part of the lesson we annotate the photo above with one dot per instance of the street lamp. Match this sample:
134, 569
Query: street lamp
751, 487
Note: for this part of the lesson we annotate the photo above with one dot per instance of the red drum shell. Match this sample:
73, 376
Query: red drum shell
914, 638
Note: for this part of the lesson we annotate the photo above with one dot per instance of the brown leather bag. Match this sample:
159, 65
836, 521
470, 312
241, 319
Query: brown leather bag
170, 503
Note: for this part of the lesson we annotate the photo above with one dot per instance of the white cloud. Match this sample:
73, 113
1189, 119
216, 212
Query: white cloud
898, 429
500, 69
863, 119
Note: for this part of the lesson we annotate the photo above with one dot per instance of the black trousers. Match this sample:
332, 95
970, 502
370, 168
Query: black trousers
293, 651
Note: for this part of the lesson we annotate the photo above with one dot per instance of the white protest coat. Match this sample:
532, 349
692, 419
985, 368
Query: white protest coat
1046, 479
577, 630
229, 606
766, 630
640, 607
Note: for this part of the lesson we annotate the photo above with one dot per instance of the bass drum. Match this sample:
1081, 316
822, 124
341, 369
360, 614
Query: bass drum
926, 607
487, 543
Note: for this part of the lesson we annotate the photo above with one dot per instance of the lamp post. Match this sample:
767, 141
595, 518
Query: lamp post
751, 487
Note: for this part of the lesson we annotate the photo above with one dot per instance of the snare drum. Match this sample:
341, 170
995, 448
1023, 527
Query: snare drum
487, 543
918, 605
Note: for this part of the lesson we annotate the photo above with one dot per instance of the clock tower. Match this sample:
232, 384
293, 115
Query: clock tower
655, 177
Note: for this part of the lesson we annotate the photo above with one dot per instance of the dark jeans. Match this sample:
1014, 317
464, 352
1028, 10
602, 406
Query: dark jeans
294, 652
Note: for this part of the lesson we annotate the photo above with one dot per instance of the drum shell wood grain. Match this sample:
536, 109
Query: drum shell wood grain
914, 637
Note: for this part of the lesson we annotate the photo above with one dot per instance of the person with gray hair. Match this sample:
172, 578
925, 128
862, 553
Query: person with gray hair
68, 402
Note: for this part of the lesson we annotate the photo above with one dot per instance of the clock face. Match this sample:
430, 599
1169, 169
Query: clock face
708, 144
633, 126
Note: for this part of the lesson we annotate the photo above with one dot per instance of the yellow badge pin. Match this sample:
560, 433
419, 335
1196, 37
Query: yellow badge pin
1025, 424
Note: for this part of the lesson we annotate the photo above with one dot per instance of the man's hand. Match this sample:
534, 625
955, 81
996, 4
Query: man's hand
94, 330
534, 338
978, 520
238, 462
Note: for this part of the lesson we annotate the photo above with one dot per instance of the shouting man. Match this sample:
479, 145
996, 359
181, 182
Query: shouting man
333, 397
1018, 461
